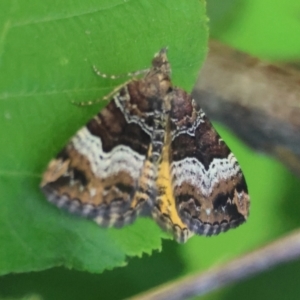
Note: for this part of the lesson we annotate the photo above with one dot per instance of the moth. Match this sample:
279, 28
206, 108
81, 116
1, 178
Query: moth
152, 152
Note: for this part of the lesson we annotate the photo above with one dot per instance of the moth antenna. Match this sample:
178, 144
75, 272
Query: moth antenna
113, 76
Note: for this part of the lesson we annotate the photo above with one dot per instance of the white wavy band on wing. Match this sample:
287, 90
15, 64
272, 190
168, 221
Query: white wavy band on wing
190, 170
189, 130
121, 158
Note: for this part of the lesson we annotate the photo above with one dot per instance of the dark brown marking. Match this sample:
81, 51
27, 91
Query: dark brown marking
206, 144
113, 130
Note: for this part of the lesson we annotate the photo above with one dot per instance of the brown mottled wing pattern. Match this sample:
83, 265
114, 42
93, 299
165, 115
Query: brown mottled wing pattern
103, 173
208, 185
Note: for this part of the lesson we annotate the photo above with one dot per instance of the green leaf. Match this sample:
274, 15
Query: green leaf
47, 49
265, 29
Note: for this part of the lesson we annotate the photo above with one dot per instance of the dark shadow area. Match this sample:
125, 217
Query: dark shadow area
277, 284
61, 284
289, 212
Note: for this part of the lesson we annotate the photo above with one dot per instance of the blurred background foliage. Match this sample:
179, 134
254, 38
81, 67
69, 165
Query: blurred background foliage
267, 29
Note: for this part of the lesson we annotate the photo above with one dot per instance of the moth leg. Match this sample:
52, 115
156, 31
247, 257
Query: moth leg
116, 90
104, 98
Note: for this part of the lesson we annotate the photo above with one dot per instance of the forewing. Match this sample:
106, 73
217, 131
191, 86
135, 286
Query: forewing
209, 187
100, 174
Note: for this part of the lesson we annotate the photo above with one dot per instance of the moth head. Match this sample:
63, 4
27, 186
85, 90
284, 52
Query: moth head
160, 62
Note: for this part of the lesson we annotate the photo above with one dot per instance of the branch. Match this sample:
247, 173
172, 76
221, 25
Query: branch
257, 100
283, 250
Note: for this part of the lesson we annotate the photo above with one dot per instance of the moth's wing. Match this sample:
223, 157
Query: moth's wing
102, 173
208, 185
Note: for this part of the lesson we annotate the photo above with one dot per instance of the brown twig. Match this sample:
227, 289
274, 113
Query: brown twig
258, 100
282, 250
